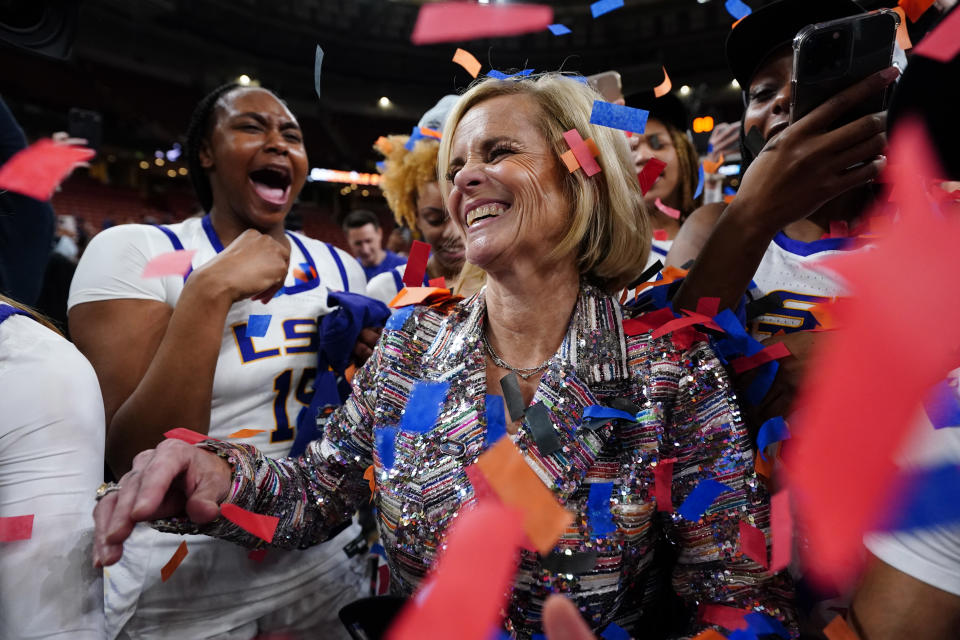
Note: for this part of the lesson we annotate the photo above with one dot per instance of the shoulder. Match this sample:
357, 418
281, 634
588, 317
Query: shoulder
383, 286
330, 258
693, 233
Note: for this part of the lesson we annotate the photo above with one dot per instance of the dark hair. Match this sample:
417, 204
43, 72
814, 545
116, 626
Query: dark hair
360, 218
197, 132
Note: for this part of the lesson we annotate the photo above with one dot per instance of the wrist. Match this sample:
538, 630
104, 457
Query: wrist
208, 290
753, 225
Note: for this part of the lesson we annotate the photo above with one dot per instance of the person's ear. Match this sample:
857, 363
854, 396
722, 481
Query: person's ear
205, 154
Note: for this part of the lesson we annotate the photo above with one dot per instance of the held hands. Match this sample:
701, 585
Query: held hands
806, 165
174, 479
254, 265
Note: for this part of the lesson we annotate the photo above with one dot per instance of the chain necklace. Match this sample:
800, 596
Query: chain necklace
524, 372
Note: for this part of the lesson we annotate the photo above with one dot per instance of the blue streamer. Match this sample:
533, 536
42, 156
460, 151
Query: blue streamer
605, 6
423, 407
615, 632
599, 412
761, 384
257, 326
696, 194
701, 498
414, 136
773, 430
496, 419
737, 9
742, 634
598, 508
728, 191
558, 29
499, 75
396, 321
385, 439
927, 498
617, 116
762, 624
943, 406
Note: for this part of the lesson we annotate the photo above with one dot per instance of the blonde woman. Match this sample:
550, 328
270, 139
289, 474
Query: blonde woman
555, 245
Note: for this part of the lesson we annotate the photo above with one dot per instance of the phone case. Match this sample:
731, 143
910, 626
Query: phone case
831, 56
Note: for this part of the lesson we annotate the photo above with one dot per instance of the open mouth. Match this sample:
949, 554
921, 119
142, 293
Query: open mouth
491, 210
272, 184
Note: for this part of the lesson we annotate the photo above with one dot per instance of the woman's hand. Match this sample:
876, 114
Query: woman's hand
172, 480
365, 344
562, 620
808, 164
254, 265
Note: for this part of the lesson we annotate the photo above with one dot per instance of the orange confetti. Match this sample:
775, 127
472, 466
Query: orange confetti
670, 274
570, 160
245, 433
915, 8
509, 475
824, 314
839, 630
384, 145
468, 61
765, 467
712, 167
369, 477
734, 25
709, 634
664, 87
430, 133
413, 295
174, 562
903, 38
728, 199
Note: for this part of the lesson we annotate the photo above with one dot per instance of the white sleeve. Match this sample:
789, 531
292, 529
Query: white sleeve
113, 261
51, 462
383, 286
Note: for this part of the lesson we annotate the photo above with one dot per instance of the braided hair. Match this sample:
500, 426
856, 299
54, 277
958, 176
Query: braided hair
197, 132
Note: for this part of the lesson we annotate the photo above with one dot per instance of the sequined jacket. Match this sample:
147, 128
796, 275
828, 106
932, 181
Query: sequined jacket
689, 414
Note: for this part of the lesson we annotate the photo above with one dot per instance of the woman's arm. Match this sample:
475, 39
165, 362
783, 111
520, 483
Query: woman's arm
156, 364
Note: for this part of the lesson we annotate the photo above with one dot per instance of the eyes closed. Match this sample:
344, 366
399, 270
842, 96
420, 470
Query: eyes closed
497, 150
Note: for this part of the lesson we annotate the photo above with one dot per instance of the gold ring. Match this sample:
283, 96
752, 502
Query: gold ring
105, 489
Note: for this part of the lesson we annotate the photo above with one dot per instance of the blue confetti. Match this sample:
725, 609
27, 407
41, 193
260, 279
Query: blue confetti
257, 326
598, 508
617, 116
558, 29
737, 9
742, 634
728, 191
386, 440
761, 384
423, 407
926, 498
701, 498
414, 136
615, 632
396, 321
605, 6
762, 624
696, 194
499, 75
773, 430
596, 415
382, 166
737, 340
496, 419
580, 79
943, 406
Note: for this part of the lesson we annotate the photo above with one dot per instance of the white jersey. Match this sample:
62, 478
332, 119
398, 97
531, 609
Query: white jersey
261, 383
789, 268
929, 555
51, 462
385, 286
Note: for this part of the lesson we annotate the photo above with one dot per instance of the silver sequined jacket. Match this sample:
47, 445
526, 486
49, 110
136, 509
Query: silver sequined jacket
689, 413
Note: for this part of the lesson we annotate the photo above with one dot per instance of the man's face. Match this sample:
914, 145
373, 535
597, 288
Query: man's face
365, 243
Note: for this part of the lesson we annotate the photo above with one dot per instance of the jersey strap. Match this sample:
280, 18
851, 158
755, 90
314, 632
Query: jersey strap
6, 311
312, 283
343, 271
397, 280
177, 245
211, 233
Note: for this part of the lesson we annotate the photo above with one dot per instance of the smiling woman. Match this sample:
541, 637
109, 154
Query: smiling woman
180, 351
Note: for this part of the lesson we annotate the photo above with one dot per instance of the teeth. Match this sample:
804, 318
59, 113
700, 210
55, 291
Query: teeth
487, 210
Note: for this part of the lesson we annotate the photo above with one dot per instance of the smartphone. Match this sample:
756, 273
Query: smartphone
830, 56
608, 85
83, 123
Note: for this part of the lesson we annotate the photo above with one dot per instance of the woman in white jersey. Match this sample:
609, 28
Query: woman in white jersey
175, 351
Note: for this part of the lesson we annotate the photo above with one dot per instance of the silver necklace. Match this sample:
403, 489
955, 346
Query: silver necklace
524, 372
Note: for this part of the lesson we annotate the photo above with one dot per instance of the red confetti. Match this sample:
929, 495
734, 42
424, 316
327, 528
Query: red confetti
773, 352
839, 229
663, 485
460, 21
254, 523
681, 323
753, 544
647, 322
727, 617
172, 263
15, 528
781, 531
440, 283
167, 570
651, 171
660, 234
37, 170
943, 43
187, 435
482, 490
872, 373
416, 264
708, 307
466, 590
257, 555
581, 152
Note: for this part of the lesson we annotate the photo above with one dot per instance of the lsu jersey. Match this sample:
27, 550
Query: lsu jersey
264, 378
792, 269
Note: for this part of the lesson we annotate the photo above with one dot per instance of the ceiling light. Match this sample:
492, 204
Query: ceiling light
158, 162
182, 171
685, 90
384, 103
171, 173
244, 80
735, 84
144, 164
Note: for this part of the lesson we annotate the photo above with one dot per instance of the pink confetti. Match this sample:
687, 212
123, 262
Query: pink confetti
781, 531
173, 263
753, 543
670, 212
37, 170
943, 43
459, 21
16, 528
